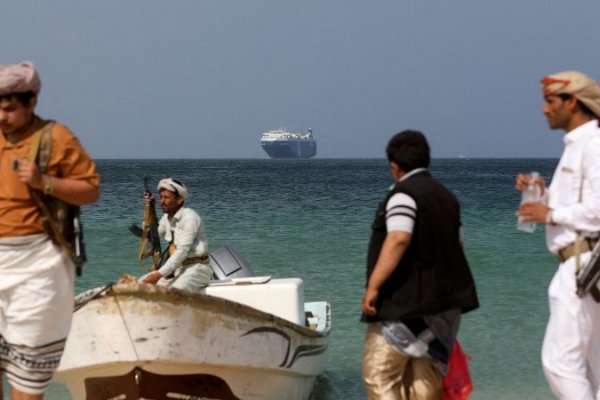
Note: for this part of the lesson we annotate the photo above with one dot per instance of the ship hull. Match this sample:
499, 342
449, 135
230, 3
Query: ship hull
290, 148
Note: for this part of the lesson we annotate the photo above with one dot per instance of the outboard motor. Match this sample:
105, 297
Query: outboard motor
227, 264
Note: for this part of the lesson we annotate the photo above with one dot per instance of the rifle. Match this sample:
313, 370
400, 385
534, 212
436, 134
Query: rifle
61, 221
150, 242
589, 274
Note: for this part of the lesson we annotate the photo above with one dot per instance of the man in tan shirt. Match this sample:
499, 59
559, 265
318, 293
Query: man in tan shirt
37, 285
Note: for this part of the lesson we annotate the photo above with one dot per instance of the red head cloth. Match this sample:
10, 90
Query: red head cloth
574, 83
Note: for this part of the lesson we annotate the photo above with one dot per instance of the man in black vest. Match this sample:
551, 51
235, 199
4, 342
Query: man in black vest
418, 279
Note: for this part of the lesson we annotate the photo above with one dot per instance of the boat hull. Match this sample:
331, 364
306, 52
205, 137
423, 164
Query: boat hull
138, 336
289, 148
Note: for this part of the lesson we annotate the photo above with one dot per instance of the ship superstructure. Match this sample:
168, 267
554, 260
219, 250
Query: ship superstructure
280, 143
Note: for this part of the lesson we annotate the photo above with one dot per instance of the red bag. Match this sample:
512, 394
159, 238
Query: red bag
457, 382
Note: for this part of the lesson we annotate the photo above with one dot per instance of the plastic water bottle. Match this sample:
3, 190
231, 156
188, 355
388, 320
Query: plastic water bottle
530, 194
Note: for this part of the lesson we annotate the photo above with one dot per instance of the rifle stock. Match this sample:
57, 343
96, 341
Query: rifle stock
150, 241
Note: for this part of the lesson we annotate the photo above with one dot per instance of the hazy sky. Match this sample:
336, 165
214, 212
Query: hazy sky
203, 79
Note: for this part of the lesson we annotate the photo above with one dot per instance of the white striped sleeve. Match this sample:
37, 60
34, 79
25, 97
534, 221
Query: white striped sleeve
400, 213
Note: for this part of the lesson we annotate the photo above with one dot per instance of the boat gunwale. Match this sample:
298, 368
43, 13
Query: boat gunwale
172, 295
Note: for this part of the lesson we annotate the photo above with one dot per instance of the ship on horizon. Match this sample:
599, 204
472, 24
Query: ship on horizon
280, 143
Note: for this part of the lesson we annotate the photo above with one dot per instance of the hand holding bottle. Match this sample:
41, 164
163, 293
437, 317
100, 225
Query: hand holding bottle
531, 210
523, 180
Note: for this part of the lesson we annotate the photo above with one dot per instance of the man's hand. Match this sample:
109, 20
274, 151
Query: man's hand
534, 212
152, 278
29, 174
523, 179
368, 302
148, 198
394, 246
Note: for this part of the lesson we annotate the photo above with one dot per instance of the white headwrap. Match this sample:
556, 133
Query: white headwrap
19, 78
173, 186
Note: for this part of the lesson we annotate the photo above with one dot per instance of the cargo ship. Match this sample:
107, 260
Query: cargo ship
280, 143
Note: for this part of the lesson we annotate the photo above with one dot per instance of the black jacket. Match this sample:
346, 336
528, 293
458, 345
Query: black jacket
433, 274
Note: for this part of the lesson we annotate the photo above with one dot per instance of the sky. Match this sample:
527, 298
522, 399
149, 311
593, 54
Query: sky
203, 79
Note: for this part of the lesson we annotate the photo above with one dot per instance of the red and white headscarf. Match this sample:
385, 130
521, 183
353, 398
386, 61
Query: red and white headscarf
576, 84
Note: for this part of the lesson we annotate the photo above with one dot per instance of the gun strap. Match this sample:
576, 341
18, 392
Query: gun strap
594, 291
39, 152
41, 146
578, 235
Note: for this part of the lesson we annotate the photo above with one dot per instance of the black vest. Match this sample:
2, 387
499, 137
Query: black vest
433, 274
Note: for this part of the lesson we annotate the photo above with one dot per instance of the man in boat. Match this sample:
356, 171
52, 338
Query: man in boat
570, 208
188, 264
37, 285
418, 279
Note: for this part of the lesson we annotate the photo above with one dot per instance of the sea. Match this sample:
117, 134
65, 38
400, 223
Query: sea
311, 219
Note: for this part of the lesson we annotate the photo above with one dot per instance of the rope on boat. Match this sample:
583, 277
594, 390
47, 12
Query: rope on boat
85, 297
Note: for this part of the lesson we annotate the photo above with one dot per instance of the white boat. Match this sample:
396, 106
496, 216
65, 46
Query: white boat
242, 338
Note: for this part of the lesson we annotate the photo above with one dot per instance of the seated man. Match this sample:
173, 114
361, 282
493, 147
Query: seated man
188, 265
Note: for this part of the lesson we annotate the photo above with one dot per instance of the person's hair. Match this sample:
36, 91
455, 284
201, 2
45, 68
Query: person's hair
584, 109
23, 98
409, 149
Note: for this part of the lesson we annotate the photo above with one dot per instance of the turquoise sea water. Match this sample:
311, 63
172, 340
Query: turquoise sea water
311, 219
